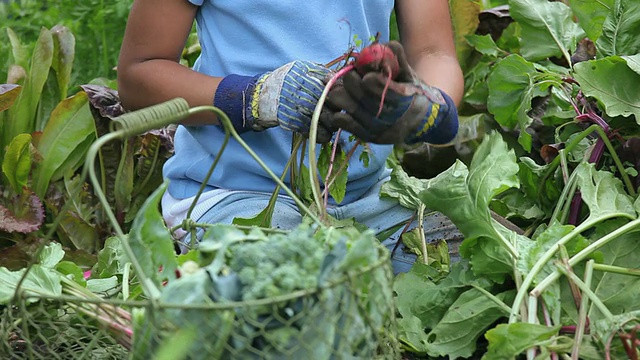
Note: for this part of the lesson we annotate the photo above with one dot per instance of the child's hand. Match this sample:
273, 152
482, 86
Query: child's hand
412, 111
285, 97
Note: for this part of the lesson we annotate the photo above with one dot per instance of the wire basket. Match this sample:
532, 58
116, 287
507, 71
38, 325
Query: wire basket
352, 318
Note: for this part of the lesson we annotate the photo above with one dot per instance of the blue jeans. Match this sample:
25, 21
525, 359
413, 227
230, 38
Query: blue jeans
378, 214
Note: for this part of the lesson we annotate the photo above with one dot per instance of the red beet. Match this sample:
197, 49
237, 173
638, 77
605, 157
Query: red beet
377, 58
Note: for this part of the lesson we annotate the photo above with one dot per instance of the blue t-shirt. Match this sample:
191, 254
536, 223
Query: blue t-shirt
249, 37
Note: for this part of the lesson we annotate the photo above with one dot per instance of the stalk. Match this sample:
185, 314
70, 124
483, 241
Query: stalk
313, 135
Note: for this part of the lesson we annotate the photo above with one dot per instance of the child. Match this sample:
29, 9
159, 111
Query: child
261, 63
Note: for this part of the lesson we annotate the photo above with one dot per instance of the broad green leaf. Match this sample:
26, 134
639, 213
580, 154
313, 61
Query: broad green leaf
124, 183
633, 62
23, 114
517, 204
464, 19
152, 244
262, 219
512, 87
422, 302
506, 341
531, 252
621, 30
69, 126
8, 95
603, 193
16, 165
64, 53
484, 44
613, 83
72, 270
105, 285
618, 292
338, 187
547, 28
404, 188
466, 320
111, 259
591, 15
51, 255
82, 234
463, 195
40, 281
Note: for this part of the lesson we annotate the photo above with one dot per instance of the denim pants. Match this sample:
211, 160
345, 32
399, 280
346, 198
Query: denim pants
378, 214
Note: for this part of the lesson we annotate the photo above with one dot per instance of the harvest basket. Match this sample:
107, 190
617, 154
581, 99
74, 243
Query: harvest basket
350, 318
348, 314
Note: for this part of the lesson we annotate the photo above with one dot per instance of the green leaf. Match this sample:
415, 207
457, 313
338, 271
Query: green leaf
124, 182
603, 193
40, 281
63, 55
263, 218
152, 244
591, 15
71, 123
618, 292
111, 259
484, 44
468, 317
16, 164
403, 188
464, 19
463, 195
508, 340
547, 28
613, 83
512, 87
23, 114
633, 62
51, 255
83, 235
621, 30
8, 95
339, 186
72, 270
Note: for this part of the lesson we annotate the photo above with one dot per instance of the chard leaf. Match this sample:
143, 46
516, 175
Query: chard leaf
621, 30
591, 15
512, 87
463, 195
422, 303
633, 62
506, 341
16, 164
40, 281
152, 244
51, 255
403, 188
484, 44
70, 124
613, 83
603, 193
111, 259
83, 235
124, 182
467, 318
547, 28
618, 292
70, 269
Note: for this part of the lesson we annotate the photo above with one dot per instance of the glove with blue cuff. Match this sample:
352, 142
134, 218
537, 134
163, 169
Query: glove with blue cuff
284, 97
412, 111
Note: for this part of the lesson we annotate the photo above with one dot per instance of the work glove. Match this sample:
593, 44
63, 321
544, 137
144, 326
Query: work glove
285, 97
412, 111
